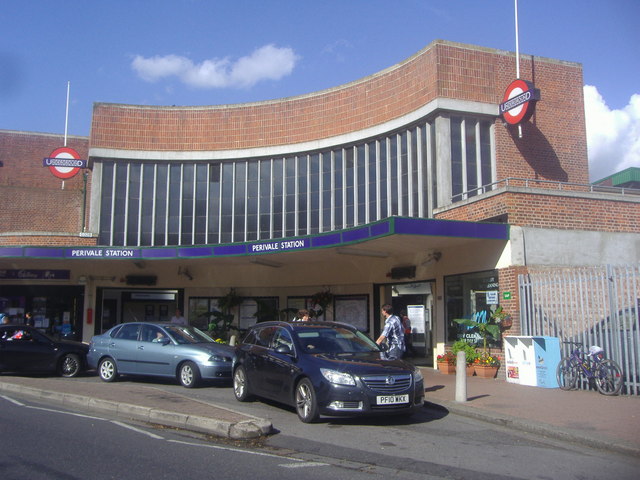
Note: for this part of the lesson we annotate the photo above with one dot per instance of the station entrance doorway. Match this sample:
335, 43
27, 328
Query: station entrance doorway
120, 305
417, 301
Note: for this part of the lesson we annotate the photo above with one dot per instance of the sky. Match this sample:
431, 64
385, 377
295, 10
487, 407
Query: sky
216, 52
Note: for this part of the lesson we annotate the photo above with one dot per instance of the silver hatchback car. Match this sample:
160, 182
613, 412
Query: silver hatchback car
162, 350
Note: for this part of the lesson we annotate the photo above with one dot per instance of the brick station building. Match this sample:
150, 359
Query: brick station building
405, 187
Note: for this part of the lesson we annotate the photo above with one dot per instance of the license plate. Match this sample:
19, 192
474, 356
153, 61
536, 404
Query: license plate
392, 399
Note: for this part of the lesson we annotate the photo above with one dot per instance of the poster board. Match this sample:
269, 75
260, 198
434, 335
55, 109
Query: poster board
352, 309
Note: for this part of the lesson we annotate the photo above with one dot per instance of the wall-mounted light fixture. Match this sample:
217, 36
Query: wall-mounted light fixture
432, 257
185, 272
360, 252
265, 262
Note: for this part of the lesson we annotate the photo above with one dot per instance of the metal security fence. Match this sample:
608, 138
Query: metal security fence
591, 305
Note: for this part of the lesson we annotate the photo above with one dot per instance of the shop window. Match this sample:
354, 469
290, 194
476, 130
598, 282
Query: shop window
472, 296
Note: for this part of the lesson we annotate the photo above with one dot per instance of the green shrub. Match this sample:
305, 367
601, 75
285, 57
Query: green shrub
467, 348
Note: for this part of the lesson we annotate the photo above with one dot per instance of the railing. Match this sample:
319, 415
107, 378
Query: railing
592, 305
545, 184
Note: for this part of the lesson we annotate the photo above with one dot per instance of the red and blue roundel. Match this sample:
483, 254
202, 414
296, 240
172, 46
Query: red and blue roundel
64, 162
519, 102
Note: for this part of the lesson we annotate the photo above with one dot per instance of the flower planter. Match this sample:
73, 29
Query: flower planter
485, 371
446, 368
470, 370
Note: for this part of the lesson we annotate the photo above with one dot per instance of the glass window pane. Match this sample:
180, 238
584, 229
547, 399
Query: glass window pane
456, 156
413, 175
108, 169
314, 192
265, 198
226, 207
119, 206
382, 165
373, 193
200, 200
215, 173
350, 173
403, 161
278, 198
485, 153
393, 174
338, 178
327, 201
240, 199
148, 200
159, 236
361, 192
303, 195
471, 157
186, 228
252, 200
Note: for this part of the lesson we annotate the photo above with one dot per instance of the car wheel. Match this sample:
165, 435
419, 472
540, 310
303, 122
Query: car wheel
240, 385
306, 401
70, 365
107, 370
189, 375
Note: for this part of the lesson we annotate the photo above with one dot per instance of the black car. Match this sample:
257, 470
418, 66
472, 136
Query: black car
324, 368
25, 349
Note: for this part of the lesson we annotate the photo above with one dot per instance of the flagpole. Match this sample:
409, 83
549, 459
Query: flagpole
517, 56
66, 116
517, 43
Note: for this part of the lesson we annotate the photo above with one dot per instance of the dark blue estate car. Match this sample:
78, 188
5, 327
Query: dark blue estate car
324, 368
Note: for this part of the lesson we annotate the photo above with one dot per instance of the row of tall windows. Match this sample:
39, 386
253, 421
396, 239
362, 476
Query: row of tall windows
160, 203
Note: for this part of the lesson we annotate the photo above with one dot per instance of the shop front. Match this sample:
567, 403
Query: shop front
54, 309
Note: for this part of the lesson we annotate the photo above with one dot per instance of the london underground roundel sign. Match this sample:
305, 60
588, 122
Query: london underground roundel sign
64, 162
519, 102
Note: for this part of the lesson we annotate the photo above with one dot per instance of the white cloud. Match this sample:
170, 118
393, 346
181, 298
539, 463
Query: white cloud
613, 136
265, 63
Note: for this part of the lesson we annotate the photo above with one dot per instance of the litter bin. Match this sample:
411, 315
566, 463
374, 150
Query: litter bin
532, 360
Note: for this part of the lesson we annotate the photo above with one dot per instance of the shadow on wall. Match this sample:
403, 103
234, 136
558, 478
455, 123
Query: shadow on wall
538, 152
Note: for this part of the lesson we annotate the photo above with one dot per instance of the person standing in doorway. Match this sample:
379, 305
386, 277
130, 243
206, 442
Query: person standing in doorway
408, 341
392, 334
178, 319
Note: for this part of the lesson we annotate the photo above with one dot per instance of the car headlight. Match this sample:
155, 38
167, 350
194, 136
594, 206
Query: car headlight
417, 376
336, 377
219, 358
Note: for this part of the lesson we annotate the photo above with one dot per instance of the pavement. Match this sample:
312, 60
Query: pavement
584, 417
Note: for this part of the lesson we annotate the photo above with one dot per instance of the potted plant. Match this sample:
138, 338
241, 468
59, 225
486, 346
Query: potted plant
485, 329
321, 299
470, 354
502, 318
221, 323
446, 363
486, 365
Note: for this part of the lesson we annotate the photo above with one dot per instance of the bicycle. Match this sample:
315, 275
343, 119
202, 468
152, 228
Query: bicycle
604, 372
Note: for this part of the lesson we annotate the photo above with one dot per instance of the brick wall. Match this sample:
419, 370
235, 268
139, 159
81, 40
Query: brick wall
553, 211
32, 199
553, 146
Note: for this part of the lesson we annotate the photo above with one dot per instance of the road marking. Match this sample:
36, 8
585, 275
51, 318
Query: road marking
303, 465
131, 427
15, 402
297, 463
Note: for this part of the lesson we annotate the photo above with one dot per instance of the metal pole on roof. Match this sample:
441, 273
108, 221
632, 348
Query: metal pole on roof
517, 56
517, 42
66, 116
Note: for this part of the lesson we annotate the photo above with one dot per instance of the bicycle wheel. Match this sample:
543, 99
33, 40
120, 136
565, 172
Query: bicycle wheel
608, 377
567, 374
